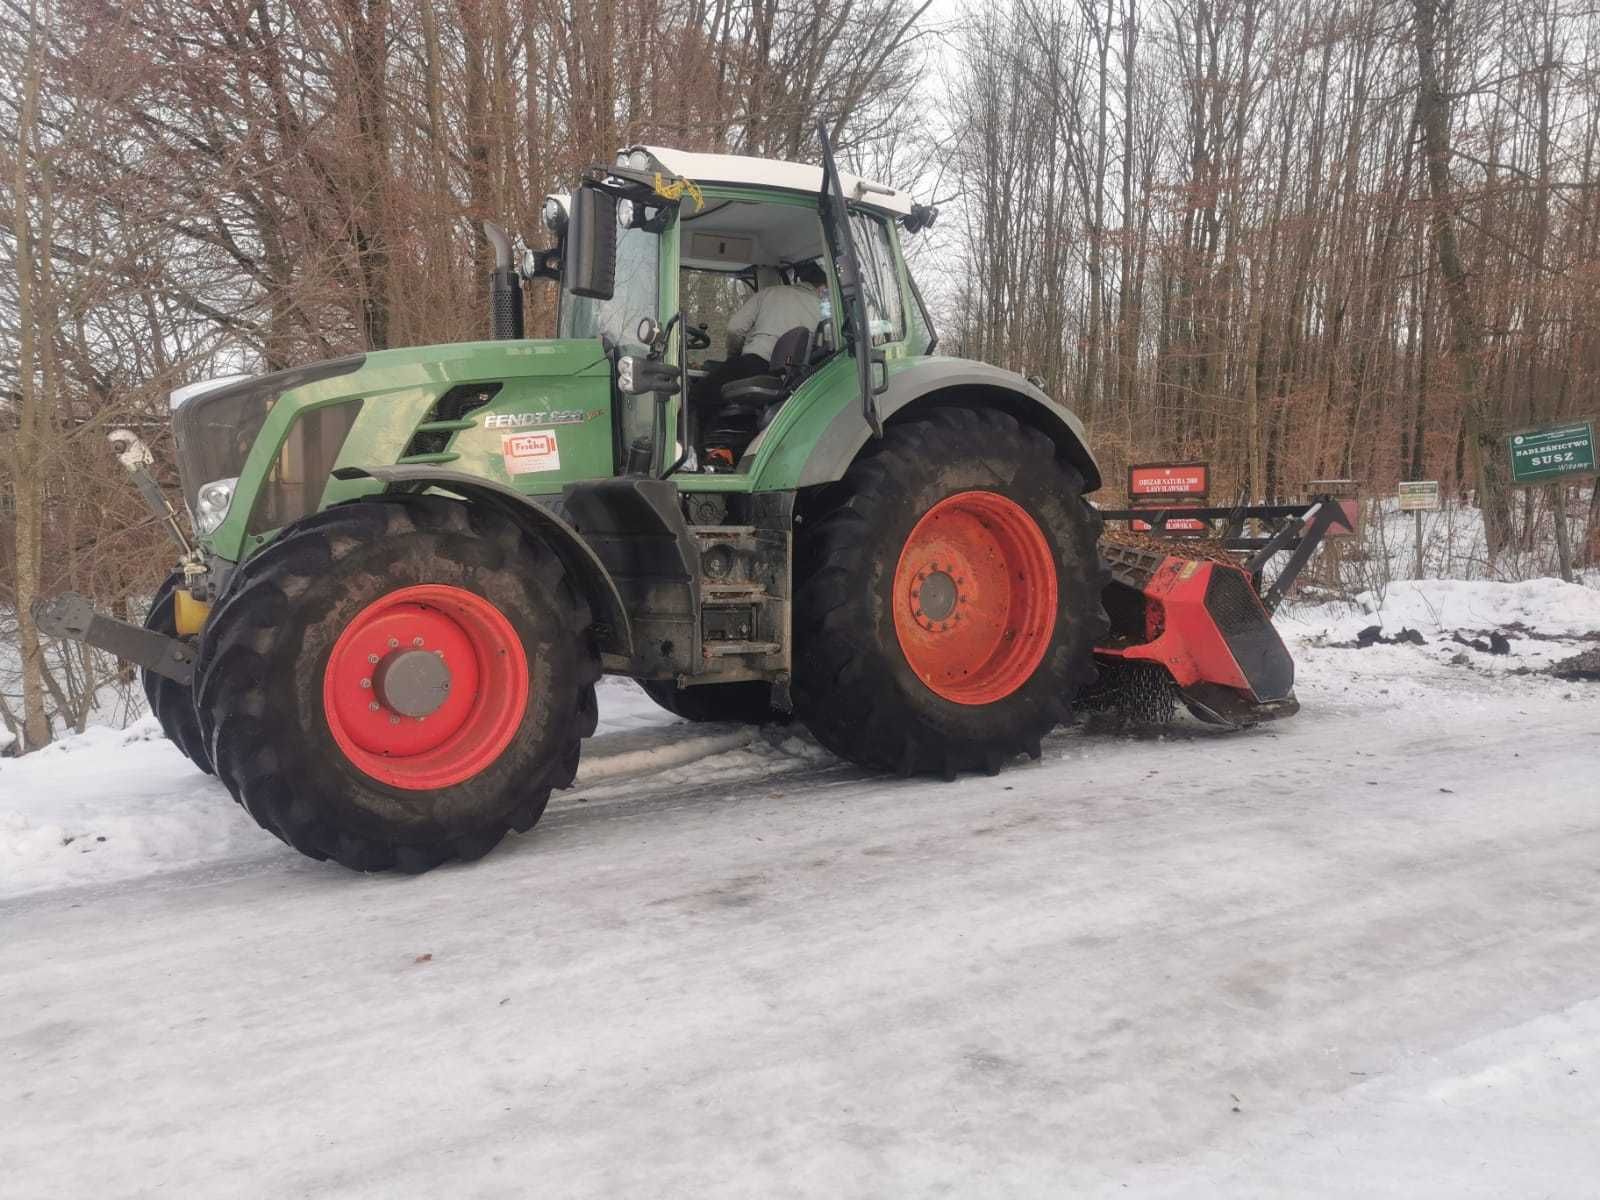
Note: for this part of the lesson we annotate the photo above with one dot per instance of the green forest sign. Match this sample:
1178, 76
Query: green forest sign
1556, 452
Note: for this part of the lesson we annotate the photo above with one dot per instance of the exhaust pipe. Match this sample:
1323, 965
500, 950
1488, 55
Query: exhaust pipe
505, 287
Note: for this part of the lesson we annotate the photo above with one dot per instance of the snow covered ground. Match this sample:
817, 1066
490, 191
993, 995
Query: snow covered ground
1356, 953
1453, 543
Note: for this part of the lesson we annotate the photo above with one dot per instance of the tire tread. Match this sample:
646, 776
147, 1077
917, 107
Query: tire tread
242, 726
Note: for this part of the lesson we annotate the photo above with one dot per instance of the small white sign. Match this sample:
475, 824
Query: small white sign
531, 452
1419, 495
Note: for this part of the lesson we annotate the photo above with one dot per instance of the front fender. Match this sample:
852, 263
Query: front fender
590, 576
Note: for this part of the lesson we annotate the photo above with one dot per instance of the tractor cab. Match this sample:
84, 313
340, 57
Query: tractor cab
721, 286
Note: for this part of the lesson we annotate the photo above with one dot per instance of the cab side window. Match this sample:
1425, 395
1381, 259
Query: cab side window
712, 297
880, 282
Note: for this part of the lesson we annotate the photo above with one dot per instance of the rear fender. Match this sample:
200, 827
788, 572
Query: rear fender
589, 574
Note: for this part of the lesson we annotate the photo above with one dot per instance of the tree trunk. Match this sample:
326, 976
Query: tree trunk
1255, 434
1483, 426
1127, 318
369, 55
27, 466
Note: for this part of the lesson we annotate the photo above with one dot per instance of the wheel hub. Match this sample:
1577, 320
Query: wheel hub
414, 683
937, 596
426, 686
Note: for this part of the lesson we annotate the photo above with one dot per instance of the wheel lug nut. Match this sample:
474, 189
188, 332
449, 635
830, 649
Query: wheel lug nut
372, 658
374, 706
394, 720
416, 641
366, 683
394, 643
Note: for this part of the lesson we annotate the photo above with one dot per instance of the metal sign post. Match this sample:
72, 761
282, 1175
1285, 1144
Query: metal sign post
1556, 455
1417, 497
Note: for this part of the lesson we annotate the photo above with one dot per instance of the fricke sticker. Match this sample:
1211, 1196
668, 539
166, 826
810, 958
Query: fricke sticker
531, 452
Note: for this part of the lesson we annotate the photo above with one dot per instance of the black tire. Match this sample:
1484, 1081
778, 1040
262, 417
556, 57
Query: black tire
268, 643
852, 684
172, 702
746, 703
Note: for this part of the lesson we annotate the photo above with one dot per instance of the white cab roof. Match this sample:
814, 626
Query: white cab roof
741, 171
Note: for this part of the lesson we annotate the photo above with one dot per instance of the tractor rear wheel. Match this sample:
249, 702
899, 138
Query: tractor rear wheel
745, 703
948, 596
398, 682
172, 703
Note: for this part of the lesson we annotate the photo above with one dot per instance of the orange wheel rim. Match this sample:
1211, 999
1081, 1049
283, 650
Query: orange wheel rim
975, 597
425, 687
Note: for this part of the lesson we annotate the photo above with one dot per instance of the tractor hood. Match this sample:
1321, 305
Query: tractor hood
256, 452
215, 421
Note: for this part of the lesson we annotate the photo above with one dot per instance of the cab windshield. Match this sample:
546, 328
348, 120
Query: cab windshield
636, 295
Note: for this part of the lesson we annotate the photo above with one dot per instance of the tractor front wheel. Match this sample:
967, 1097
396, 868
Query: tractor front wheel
172, 703
948, 596
397, 683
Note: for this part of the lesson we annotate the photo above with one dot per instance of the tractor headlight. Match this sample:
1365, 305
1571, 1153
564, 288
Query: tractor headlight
212, 503
636, 376
638, 160
555, 216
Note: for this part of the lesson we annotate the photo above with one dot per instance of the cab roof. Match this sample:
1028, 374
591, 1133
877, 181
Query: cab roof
738, 170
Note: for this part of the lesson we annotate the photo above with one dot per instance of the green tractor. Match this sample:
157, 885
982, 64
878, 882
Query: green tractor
409, 568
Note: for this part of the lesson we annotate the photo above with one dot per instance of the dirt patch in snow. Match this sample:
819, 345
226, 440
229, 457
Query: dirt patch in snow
1583, 667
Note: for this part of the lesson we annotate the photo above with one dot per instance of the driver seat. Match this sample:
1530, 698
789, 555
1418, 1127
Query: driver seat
791, 356
748, 404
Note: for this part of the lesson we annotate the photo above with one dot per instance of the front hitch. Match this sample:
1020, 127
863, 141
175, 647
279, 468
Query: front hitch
71, 617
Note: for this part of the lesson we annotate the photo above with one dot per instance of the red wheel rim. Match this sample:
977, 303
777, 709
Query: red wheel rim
975, 597
382, 692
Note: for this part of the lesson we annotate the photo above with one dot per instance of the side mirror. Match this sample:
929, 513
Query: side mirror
591, 266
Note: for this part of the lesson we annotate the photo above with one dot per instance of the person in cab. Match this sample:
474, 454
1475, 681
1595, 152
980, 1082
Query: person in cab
764, 318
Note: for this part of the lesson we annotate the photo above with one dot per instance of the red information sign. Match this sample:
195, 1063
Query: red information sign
1169, 486
1173, 525
1345, 493
1165, 481
1352, 513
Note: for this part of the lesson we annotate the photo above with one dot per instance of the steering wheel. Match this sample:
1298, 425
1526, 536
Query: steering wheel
699, 337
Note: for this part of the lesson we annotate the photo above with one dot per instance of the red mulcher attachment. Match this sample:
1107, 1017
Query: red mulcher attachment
1191, 623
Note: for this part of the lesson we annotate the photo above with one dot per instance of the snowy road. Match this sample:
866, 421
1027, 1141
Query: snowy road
1358, 954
